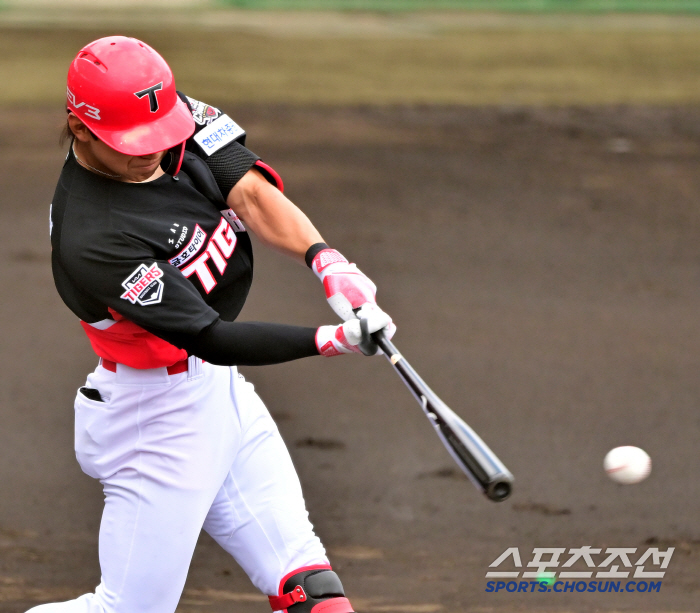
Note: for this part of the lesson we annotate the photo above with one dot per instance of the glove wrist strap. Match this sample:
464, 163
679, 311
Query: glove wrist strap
313, 251
329, 261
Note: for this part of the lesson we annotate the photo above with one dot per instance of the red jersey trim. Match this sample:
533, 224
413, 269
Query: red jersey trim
129, 344
270, 173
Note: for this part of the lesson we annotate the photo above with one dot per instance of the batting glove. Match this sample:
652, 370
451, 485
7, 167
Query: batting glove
345, 338
347, 288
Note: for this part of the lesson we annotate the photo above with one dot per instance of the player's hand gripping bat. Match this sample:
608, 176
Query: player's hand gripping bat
479, 463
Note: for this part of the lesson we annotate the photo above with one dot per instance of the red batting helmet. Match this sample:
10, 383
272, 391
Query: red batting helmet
124, 91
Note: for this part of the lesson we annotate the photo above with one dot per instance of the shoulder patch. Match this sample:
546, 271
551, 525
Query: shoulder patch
202, 113
144, 286
218, 134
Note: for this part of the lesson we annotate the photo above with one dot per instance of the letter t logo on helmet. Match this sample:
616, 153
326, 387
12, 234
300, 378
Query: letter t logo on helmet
151, 93
124, 91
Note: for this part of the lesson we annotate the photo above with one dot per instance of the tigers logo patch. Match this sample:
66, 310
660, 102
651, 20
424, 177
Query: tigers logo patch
144, 286
203, 114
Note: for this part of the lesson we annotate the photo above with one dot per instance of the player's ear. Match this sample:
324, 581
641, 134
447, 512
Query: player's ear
80, 131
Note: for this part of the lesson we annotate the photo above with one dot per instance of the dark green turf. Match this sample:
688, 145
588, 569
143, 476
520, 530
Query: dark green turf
527, 6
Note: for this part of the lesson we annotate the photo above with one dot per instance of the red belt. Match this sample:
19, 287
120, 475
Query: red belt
175, 369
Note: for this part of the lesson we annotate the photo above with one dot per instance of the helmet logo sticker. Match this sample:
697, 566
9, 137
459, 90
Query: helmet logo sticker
90, 111
151, 92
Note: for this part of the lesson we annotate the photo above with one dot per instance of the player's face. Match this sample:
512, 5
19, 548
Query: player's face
131, 168
123, 167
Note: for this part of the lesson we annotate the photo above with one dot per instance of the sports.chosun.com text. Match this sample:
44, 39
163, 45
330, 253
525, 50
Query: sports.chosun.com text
573, 586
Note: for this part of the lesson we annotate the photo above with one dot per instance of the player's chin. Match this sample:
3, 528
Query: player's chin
145, 167
138, 175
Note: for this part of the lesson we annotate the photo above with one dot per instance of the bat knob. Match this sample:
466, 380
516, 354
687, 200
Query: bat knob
499, 490
367, 345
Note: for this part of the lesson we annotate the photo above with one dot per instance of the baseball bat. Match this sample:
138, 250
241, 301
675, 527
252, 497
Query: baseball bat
472, 455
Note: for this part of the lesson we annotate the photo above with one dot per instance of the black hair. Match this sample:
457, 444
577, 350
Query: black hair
66, 134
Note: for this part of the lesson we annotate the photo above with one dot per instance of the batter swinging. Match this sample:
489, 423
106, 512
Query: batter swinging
150, 251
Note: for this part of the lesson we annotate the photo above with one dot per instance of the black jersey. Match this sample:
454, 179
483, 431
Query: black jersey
159, 253
164, 256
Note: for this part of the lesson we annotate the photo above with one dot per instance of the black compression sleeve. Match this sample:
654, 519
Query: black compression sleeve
229, 343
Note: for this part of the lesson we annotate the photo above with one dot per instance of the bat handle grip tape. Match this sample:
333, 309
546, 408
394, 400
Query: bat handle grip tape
391, 352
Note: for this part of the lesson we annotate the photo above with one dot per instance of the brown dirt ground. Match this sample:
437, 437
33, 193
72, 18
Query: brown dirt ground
543, 267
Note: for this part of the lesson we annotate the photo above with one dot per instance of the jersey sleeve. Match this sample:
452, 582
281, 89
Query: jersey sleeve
220, 141
121, 274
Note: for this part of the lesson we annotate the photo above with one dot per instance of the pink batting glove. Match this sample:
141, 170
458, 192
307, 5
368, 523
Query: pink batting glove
345, 338
347, 287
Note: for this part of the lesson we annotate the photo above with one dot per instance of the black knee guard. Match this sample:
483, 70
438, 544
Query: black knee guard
314, 588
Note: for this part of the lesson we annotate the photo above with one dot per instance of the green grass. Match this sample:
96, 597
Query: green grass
478, 67
582, 6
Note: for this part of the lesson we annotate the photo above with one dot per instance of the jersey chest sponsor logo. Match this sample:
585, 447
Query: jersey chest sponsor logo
218, 250
199, 236
183, 235
144, 286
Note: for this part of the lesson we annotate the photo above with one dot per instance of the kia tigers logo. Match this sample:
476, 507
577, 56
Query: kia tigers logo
151, 93
144, 286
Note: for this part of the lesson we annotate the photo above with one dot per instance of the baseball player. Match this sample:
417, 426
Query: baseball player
150, 250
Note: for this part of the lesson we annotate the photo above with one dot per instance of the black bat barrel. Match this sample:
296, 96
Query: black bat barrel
473, 456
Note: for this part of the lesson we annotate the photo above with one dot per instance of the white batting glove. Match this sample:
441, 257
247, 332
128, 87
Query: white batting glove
347, 288
345, 338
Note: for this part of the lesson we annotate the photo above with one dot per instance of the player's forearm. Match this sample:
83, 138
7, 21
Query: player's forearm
227, 343
272, 217
249, 343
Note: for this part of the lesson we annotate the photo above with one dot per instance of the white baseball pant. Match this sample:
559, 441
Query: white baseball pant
175, 454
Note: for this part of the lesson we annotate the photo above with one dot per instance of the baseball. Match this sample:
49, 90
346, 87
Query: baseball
627, 464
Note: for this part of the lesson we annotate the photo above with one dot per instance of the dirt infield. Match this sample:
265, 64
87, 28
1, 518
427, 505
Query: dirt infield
543, 268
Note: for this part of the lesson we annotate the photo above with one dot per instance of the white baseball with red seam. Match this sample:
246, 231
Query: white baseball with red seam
627, 464
347, 287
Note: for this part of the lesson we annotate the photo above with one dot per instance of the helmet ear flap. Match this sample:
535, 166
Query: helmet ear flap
172, 160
